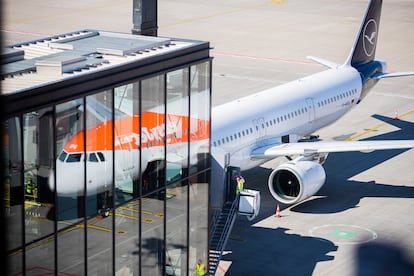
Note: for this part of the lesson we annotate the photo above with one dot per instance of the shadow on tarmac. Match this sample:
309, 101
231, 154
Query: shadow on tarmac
291, 254
339, 193
376, 258
283, 253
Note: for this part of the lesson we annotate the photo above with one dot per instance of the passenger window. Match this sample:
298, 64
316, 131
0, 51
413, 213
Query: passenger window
62, 156
93, 157
101, 156
76, 157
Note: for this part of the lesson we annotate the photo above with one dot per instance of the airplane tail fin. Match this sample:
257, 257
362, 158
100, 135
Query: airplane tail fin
365, 44
362, 55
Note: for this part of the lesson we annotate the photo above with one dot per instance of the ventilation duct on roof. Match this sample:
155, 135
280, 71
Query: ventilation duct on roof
9, 55
59, 64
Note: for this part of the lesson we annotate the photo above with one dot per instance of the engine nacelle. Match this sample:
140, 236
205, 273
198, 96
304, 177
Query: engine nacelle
295, 181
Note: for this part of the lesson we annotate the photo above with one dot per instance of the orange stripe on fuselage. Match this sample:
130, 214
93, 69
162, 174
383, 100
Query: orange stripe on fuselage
127, 136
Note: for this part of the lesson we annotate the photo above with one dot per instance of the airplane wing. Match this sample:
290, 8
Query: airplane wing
306, 148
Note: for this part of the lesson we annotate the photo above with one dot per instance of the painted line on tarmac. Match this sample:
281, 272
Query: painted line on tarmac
276, 59
343, 233
353, 137
26, 33
135, 210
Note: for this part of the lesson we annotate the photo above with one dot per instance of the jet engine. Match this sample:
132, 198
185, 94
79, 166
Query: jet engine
295, 181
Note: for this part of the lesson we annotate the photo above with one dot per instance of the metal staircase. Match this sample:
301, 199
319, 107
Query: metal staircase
221, 226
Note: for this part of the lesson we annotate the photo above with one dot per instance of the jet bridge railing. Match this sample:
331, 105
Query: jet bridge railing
220, 233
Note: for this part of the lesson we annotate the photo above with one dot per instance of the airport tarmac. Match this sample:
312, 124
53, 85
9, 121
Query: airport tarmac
368, 197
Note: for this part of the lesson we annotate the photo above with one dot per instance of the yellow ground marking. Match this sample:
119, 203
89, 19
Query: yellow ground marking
96, 227
126, 216
136, 202
275, 2
28, 204
134, 218
353, 137
135, 210
159, 215
89, 225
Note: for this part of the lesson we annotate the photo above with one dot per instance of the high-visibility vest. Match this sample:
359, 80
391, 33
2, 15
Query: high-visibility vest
29, 187
200, 269
240, 186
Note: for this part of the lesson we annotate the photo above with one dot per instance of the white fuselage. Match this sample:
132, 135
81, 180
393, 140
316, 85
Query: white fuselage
297, 108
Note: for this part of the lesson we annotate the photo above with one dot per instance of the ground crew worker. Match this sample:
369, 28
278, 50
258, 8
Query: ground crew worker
240, 184
200, 269
29, 186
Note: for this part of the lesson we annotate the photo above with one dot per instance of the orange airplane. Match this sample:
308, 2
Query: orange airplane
128, 141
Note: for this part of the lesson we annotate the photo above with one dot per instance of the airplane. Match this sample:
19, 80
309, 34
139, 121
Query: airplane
272, 124
155, 134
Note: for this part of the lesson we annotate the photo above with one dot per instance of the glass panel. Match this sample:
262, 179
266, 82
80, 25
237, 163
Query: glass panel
152, 245
198, 239
127, 251
99, 179
153, 134
177, 125
127, 142
153, 176
38, 199
176, 228
200, 117
127, 179
68, 182
177, 164
13, 200
40, 258
200, 99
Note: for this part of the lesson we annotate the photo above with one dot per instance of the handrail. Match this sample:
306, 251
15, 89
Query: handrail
224, 234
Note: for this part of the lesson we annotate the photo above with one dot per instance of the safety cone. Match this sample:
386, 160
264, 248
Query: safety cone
278, 215
396, 115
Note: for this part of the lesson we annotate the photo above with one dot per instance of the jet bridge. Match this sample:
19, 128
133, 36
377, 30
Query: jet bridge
247, 203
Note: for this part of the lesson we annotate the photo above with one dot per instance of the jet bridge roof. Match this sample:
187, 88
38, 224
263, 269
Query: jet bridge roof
86, 61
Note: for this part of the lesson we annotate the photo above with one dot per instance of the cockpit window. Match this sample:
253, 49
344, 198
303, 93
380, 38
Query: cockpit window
75, 157
101, 156
62, 156
93, 158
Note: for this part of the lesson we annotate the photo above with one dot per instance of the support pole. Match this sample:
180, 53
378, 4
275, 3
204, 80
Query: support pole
144, 17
